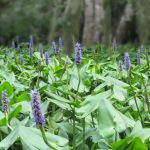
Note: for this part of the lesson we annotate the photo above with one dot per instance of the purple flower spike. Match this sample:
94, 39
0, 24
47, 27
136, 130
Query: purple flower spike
31, 40
21, 60
38, 115
127, 61
139, 57
53, 47
120, 66
114, 45
78, 54
46, 58
30, 50
41, 50
4, 101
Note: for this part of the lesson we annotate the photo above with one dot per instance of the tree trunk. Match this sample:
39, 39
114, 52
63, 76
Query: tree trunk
93, 18
72, 23
126, 18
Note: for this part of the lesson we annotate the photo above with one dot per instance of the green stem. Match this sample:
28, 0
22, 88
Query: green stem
78, 82
1, 137
147, 59
146, 97
92, 120
129, 80
7, 122
38, 77
129, 76
74, 129
83, 134
138, 110
67, 78
74, 117
45, 139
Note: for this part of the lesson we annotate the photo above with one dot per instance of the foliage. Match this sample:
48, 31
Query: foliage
93, 103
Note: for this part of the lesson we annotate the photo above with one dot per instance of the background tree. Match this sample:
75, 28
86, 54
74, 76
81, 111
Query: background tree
85, 21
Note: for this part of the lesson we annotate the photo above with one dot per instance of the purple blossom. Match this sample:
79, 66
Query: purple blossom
30, 49
120, 66
59, 45
127, 61
21, 60
41, 50
31, 40
78, 54
114, 45
138, 57
38, 115
46, 58
53, 47
4, 101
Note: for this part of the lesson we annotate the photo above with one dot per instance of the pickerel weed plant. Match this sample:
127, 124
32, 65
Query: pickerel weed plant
60, 44
5, 107
81, 102
46, 58
127, 61
4, 101
120, 66
78, 56
30, 49
53, 47
38, 115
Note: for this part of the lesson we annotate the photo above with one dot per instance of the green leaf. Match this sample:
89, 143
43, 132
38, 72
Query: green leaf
113, 81
6, 86
142, 133
129, 143
31, 138
9, 140
11, 115
60, 101
111, 120
14, 112
91, 103
74, 80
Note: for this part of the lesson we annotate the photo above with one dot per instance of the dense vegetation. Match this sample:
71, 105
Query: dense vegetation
97, 101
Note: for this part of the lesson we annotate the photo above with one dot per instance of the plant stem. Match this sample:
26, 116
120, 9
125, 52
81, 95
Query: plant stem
83, 143
74, 117
129, 80
92, 120
146, 97
45, 139
8, 125
138, 110
147, 59
67, 78
74, 130
39, 73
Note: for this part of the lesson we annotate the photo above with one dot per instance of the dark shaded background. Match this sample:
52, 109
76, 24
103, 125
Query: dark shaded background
87, 21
